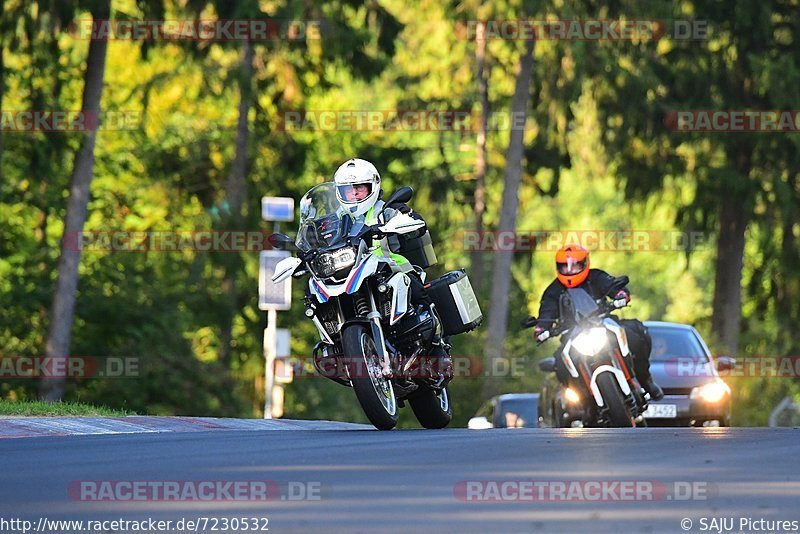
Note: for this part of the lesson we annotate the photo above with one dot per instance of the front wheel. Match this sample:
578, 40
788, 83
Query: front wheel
373, 390
433, 410
612, 395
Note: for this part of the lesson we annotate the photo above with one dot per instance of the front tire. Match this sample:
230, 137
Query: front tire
373, 391
617, 410
432, 410
558, 414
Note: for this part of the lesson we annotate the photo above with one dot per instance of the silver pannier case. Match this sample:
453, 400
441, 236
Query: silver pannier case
455, 302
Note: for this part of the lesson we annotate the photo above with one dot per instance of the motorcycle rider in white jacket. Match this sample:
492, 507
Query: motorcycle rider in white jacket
358, 189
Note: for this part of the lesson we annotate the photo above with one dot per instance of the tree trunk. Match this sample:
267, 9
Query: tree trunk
734, 215
236, 193
501, 279
787, 296
477, 260
236, 184
2, 93
63, 309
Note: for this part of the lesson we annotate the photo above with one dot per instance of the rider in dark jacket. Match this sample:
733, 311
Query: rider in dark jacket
572, 270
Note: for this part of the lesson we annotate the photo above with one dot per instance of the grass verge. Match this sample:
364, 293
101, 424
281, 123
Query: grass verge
56, 409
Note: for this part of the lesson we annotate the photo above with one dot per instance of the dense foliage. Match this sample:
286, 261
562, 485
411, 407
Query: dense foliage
599, 155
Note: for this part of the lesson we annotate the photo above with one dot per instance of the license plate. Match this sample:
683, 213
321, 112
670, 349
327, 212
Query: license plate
661, 411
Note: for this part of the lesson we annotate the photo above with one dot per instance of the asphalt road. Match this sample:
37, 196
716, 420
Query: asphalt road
589, 480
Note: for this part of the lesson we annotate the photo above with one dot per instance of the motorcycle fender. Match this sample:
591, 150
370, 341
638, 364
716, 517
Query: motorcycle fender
622, 339
620, 376
399, 283
356, 320
285, 268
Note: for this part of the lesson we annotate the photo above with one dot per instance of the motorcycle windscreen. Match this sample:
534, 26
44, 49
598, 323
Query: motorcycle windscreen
322, 221
583, 304
320, 233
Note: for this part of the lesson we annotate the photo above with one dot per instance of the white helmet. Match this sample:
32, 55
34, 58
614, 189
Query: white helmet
353, 173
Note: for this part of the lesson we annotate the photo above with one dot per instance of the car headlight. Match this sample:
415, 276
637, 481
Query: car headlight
591, 341
329, 263
712, 392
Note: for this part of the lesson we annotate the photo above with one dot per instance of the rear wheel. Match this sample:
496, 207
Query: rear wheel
373, 390
433, 410
612, 395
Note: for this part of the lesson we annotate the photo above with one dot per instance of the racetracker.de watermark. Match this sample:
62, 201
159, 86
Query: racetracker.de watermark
733, 120
582, 490
196, 490
390, 120
68, 367
148, 524
422, 367
738, 367
197, 30
637, 30
68, 120
168, 241
595, 240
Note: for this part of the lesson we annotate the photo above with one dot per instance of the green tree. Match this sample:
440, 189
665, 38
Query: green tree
501, 279
62, 311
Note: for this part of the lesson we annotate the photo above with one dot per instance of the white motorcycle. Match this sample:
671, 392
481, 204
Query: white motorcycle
373, 338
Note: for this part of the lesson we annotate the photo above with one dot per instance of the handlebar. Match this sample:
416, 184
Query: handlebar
603, 308
367, 232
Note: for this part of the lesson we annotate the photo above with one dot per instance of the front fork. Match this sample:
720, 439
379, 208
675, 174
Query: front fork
637, 401
374, 317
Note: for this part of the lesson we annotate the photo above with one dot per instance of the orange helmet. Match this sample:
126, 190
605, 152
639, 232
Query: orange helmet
572, 265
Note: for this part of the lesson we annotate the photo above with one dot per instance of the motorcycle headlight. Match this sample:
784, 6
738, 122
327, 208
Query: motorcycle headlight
330, 263
712, 392
572, 396
591, 341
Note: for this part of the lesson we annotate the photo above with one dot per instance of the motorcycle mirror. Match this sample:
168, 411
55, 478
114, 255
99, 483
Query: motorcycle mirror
403, 194
548, 365
281, 241
621, 282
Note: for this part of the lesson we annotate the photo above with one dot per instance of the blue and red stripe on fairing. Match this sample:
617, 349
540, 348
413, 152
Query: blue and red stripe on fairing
320, 291
356, 278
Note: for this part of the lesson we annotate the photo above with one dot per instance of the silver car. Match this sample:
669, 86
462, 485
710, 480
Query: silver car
682, 364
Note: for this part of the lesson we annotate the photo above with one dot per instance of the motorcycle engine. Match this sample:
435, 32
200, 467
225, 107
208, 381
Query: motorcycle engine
418, 327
